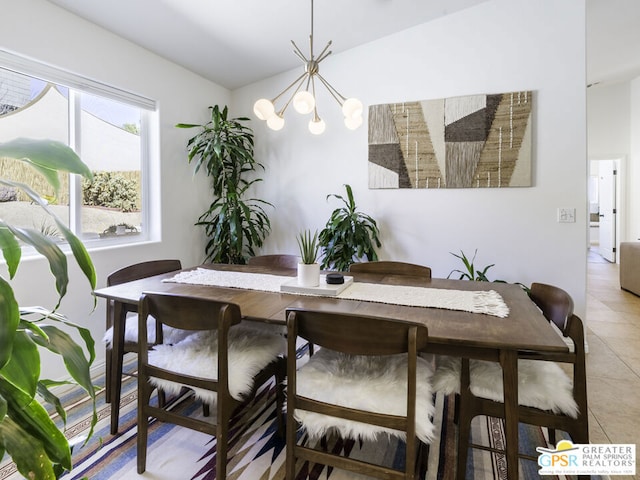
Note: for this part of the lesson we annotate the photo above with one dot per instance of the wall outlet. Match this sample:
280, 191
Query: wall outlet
567, 215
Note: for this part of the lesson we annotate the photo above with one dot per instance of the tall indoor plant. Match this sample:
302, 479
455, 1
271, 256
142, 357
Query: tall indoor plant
234, 225
348, 236
27, 433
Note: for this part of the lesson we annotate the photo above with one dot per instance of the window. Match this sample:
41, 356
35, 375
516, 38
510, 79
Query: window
109, 129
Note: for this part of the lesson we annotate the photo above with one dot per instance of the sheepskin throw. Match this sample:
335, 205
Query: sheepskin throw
541, 384
376, 384
169, 334
487, 302
250, 350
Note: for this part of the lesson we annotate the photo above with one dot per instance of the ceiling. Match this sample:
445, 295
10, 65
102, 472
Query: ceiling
235, 43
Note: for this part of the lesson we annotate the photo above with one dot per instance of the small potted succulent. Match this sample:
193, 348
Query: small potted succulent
308, 268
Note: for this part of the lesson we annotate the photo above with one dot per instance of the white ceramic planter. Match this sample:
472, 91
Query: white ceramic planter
308, 274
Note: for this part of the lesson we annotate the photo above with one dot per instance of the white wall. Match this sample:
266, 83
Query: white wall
608, 114
497, 46
38, 29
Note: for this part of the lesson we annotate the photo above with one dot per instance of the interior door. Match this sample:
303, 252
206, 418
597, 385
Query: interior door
607, 208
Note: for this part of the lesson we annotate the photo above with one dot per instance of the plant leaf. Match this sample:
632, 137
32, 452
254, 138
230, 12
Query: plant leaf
47, 247
9, 321
23, 369
34, 419
27, 451
10, 249
48, 157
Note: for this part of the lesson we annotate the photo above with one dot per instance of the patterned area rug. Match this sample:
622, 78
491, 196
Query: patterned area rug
256, 450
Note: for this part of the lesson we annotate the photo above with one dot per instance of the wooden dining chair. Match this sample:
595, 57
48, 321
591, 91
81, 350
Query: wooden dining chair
547, 397
279, 261
391, 268
365, 382
129, 319
223, 361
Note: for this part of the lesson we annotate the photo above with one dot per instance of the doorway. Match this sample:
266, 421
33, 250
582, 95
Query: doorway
604, 212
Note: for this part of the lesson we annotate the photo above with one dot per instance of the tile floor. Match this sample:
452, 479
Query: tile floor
613, 361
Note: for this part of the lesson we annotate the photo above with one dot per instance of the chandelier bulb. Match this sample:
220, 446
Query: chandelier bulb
275, 122
304, 102
317, 126
264, 109
353, 123
352, 108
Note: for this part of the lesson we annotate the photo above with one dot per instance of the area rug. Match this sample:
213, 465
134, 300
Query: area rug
256, 450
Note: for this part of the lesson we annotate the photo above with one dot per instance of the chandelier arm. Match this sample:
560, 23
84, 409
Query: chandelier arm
301, 81
334, 93
301, 77
322, 55
315, 105
298, 52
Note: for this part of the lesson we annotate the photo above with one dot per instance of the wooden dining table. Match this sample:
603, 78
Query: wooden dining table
451, 332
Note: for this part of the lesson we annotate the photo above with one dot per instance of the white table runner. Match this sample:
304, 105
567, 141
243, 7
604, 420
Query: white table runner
488, 302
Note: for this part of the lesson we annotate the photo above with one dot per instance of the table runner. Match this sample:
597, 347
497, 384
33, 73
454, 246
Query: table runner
488, 302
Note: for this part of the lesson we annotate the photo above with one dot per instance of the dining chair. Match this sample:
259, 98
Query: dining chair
223, 361
547, 396
365, 382
130, 319
391, 268
276, 260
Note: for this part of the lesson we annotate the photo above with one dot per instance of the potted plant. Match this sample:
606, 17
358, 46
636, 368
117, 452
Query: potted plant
471, 272
234, 225
308, 268
348, 236
38, 448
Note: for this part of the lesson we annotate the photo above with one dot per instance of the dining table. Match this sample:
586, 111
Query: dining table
452, 332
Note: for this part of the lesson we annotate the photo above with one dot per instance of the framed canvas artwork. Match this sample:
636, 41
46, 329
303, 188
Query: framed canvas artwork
476, 141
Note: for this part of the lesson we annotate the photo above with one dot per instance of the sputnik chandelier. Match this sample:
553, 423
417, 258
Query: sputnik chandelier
304, 101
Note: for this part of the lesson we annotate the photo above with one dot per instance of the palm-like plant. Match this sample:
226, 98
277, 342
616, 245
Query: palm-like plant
471, 272
234, 226
348, 236
27, 433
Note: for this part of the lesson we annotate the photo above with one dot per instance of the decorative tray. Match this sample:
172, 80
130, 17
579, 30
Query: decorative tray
323, 289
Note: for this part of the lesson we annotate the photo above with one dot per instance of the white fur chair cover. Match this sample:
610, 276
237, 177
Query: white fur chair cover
250, 350
541, 384
169, 334
376, 384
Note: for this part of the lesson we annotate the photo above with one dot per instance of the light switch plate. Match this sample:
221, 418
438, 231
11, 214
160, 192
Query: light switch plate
566, 215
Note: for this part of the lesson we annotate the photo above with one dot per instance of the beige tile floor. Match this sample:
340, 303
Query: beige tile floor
613, 361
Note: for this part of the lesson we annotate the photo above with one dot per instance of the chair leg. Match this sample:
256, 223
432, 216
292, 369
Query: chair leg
107, 382
222, 440
280, 374
143, 427
290, 473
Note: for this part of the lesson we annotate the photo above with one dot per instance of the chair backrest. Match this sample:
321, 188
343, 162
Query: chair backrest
355, 334
188, 313
281, 260
142, 270
555, 303
391, 268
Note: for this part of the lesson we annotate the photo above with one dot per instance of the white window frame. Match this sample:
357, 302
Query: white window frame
148, 122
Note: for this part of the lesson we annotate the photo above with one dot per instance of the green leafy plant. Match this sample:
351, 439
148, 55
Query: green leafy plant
234, 225
348, 236
471, 272
27, 433
309, 246
111, 190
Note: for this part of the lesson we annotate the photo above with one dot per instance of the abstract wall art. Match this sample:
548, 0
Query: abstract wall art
476, 141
